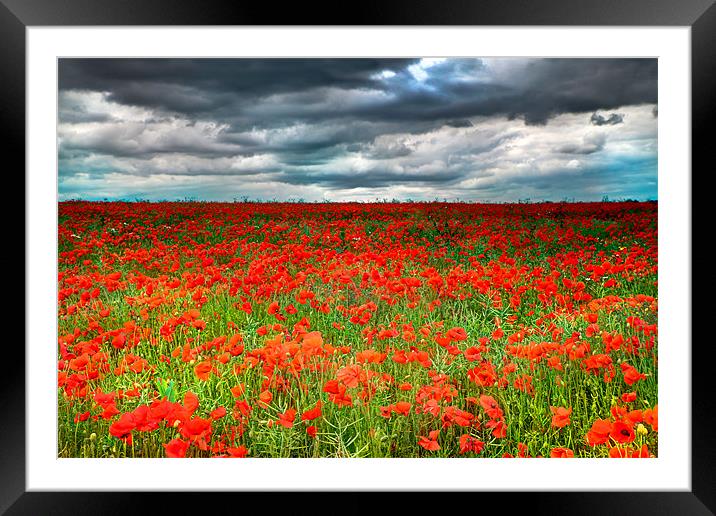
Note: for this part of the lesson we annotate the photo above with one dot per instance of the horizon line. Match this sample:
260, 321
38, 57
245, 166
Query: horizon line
377, 201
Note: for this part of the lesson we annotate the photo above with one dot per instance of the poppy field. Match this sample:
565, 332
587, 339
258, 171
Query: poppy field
191, 329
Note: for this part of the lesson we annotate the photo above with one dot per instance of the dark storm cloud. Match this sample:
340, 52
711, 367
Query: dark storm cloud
582, 85
613, 119
535, 92
192, 86
541, 89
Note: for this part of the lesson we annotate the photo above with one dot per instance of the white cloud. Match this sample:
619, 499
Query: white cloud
78, 103
481, 162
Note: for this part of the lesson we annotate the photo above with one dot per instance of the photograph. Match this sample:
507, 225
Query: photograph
357, 257
419, 250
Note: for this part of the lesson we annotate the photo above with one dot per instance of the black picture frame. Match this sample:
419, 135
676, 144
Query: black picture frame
700, 15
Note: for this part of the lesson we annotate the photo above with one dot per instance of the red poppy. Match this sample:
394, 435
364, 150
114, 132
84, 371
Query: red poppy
191, 402
202, 370
499, 428
641, 453
631, 375
473, 354
176, 448
350, 376
122, 428
385, 410
273, 308
492, 409
561, 453
119, 341
469, 443
618, 453
313, 413
430, 443
82, 417
238, 453
621, 432
629, 397
287, 418
599, 433
403, 408
457, 334
651, 417
218, 413
195, 428
560, 417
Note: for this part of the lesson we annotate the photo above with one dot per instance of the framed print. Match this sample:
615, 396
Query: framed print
420, 250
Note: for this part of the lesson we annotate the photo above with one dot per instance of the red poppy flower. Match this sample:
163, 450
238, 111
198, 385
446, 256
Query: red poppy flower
287, 418
176, 448
641, 453
122, 428
618, 453
238, 453
403, 408
599, 433
195, 428
499, 428
629, 397
350, 376
191, 402
273, 308
313, 413
265, 397
631, 375
561, 453
621, 432
492, 409
430, 443
218, 413
560, 417
469, 443
473, 354
651, 417
457, 334
202, 370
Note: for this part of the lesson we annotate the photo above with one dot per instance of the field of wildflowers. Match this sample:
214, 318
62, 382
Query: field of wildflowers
357, 330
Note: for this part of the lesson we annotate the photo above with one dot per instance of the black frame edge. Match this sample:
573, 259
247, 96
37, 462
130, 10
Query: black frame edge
12, 380
366, 12
703, 110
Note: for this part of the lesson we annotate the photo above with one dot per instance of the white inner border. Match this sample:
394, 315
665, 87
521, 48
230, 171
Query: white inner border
670, 471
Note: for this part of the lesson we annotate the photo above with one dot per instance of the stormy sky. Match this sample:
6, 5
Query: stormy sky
480, 129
